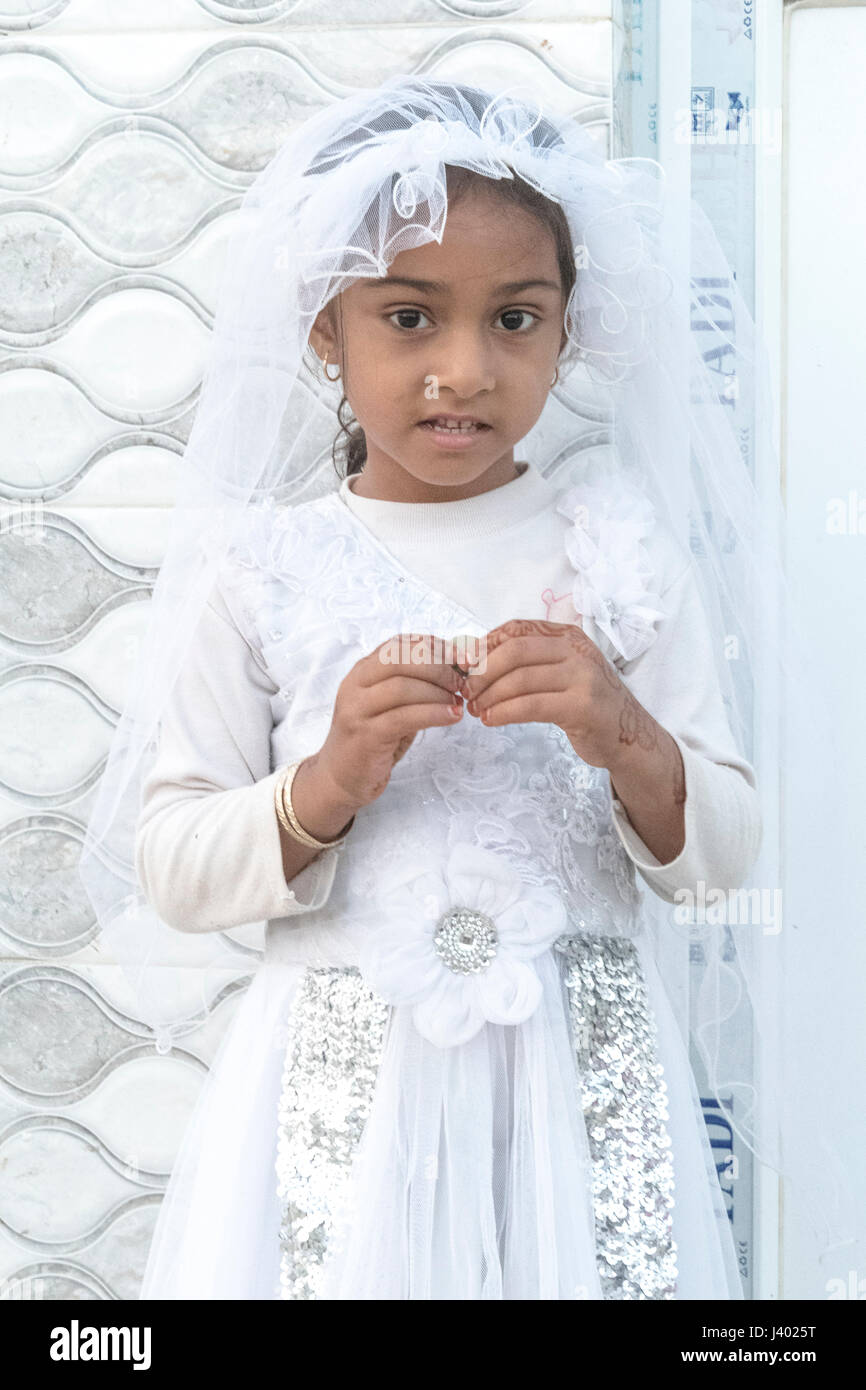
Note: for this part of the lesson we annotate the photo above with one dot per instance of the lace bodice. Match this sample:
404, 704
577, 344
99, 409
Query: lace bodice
319, 592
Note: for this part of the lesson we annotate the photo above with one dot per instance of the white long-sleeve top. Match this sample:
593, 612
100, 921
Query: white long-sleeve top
208, 849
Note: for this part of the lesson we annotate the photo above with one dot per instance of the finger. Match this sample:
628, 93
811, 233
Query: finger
539, 707
520, 649
395, 724
398, 690
419, 655
523, 680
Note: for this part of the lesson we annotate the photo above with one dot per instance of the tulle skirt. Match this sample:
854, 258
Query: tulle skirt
473, 1178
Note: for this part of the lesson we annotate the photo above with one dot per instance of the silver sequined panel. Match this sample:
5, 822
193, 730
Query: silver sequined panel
336, 1032
625, 1107
337, 1028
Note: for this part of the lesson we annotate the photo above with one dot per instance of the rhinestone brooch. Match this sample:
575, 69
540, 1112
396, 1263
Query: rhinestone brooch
465, 940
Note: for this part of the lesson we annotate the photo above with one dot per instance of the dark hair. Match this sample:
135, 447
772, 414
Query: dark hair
514, 191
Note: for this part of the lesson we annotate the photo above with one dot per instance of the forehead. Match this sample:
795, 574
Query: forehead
486, 241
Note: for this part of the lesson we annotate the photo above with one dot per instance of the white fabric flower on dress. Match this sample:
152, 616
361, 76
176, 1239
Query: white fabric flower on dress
457, 942
612, 584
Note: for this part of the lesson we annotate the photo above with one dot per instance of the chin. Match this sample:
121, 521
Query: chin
459, 463
452, 473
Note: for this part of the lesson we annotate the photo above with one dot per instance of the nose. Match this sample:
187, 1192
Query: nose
465, 365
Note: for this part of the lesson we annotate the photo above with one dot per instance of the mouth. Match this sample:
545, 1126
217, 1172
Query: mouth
454, 426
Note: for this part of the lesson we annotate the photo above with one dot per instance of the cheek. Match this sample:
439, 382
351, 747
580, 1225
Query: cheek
380, 399
529, 385
372, 379
530, 372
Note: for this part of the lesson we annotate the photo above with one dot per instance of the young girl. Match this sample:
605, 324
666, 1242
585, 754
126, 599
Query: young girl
434, 724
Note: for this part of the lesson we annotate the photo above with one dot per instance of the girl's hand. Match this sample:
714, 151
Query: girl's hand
553, 673
380, 707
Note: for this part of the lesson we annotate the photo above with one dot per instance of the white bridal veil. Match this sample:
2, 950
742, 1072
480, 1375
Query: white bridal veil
662, 373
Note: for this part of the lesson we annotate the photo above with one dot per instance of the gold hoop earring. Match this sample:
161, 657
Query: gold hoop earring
555, 377
327, 373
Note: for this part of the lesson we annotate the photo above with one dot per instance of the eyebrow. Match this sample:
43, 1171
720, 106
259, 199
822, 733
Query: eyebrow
438, 286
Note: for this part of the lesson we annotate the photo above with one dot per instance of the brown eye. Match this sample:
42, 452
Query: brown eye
518, 314
403, 314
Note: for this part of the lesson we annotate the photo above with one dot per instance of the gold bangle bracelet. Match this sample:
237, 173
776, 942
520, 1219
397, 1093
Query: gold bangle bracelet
289, 821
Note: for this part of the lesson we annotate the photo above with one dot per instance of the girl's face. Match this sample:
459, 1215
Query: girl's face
477, 333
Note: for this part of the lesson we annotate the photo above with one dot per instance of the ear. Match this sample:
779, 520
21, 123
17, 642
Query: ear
322, 336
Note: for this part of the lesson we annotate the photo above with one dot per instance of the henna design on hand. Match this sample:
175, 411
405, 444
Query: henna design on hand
403, 747
570, 632
636, 725
598, 658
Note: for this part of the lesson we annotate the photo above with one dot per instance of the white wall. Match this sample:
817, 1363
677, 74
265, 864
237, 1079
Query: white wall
824, 366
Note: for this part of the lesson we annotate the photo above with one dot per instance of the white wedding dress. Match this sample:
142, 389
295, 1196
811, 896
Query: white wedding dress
345, 1147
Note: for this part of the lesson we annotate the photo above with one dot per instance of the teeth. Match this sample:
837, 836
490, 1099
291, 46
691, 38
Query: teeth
454, 429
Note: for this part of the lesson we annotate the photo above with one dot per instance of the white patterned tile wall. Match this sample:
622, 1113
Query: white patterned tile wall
131, 130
